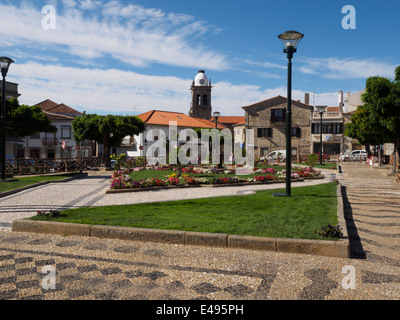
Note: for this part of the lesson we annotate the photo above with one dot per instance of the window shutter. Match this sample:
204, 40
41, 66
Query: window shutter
272, 115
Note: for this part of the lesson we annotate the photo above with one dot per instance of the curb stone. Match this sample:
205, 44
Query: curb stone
339, 248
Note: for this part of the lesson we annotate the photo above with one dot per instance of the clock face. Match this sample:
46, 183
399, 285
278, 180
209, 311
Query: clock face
201, 81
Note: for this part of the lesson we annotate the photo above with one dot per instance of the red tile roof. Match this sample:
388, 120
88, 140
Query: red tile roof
47, 104
157, 117
211, 123
51, 106
230, 119
332, 109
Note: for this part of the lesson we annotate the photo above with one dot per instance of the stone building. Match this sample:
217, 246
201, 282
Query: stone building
333, 121
268, 119
12, 90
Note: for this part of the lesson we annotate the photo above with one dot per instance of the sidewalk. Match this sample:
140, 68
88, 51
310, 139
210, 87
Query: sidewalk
372, 203
90, 268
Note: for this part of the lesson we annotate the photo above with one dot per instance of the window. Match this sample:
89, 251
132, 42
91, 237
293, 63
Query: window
263, 152
198, 100
337, 128
66, 132
296, 132
264, 132
278, 115
85, 153
316, 128
327, 128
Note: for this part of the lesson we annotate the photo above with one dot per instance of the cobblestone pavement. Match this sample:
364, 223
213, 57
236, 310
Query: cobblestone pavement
89, 268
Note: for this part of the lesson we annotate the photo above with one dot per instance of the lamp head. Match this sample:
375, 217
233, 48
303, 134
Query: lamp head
320, 109
5, 63
290, 40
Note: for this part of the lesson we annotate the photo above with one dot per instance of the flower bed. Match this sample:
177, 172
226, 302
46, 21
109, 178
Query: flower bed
122, 180
227, 180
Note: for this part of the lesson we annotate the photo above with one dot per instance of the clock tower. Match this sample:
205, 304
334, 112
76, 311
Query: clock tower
200, 106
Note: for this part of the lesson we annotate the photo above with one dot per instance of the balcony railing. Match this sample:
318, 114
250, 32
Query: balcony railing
50, 142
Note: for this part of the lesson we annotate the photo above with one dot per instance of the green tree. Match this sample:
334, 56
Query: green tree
109, 130
366, 129
23, 120
382, 100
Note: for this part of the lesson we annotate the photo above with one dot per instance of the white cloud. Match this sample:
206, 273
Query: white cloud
143, 35
89, 4
119, 92
108, 91
349, 68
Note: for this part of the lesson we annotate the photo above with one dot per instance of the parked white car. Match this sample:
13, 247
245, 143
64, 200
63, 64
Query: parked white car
354, 155
272, 156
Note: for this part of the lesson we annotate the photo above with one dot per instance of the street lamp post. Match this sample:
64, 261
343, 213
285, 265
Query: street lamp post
4, 65
321, 110
290, 40
216, 116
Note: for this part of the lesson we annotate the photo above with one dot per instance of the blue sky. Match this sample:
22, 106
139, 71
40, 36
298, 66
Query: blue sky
127, 57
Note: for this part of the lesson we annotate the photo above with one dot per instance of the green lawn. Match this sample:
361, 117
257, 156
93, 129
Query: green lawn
259, 214
26, 181
161, 174
326, 165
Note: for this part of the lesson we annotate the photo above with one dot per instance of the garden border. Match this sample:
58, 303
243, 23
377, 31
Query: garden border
206, 185
330, 248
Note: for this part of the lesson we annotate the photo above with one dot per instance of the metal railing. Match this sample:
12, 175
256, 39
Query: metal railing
50, 142
37, 166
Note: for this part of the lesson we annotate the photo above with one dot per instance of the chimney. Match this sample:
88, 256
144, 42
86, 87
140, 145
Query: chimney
340, 98
307, 98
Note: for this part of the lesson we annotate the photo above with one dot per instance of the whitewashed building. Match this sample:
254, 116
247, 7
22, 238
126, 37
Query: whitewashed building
59, 145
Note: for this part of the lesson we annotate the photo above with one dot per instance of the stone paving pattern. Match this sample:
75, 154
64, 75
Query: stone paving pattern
89, 268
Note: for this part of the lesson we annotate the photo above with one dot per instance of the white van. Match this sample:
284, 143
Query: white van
272, 156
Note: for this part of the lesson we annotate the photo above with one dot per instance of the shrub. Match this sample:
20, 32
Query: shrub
311, 160
173, 181
52, 213
189, 180
263, 178
330, 231
226, 180
202, 180
152, 182
119, 160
